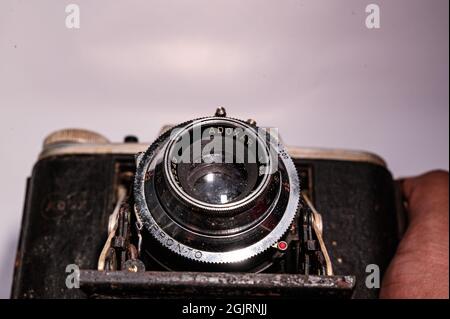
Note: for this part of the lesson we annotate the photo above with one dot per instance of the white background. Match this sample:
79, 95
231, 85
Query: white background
310, 68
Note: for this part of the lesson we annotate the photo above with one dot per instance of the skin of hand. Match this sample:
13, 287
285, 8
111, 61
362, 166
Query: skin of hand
420, 268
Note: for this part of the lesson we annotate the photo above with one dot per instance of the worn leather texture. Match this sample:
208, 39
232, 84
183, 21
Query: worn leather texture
68, 202
358, 206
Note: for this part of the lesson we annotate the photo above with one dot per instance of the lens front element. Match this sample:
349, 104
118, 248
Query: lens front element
216, 183
216, 190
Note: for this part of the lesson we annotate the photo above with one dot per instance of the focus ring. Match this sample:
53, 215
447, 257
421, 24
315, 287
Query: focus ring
147, 207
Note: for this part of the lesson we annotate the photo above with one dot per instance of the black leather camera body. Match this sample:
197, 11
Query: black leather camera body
110, 220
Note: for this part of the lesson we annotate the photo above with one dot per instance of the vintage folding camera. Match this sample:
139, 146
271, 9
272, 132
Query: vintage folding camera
215, 207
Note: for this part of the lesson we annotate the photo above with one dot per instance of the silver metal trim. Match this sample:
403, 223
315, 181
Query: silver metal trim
207, 206
134, 148
233, 256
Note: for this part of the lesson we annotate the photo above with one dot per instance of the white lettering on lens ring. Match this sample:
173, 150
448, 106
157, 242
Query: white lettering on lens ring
73, 278
73, 16
373, 277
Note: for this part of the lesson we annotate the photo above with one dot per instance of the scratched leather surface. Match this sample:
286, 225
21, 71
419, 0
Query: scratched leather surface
357, 203
69, 201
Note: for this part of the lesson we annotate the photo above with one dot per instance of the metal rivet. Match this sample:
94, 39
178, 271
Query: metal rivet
133, 268
221, 112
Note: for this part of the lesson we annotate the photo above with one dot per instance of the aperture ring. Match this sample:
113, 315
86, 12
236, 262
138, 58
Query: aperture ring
291, 185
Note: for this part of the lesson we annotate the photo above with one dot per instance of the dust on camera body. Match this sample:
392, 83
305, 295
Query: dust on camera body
215, 207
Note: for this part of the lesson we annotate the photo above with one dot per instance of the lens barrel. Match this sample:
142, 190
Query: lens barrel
216, 190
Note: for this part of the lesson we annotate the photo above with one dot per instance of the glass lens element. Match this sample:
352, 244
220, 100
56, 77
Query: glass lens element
217, 183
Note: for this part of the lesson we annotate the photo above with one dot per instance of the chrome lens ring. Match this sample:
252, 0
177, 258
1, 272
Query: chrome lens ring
207, 123
165, 229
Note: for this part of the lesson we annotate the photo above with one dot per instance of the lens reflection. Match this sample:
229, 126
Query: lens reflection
219, 187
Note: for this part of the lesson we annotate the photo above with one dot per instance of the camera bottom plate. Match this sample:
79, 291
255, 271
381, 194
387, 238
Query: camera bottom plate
160, 284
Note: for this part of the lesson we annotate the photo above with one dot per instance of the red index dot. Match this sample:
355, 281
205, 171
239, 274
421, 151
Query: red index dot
282, 245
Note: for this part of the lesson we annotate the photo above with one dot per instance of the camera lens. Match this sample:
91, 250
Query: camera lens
216, 183
216, 190
216, 166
